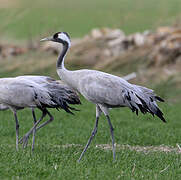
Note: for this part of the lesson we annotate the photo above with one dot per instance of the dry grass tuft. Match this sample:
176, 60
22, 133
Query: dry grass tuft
144, 149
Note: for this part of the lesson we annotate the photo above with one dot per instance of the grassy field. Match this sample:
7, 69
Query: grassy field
33, 20
58, 146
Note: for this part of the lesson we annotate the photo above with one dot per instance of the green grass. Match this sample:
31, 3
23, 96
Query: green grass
33, 20
53, 161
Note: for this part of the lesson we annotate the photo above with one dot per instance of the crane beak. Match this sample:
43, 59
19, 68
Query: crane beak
47, 39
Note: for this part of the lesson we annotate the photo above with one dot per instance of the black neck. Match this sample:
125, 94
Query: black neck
60, 62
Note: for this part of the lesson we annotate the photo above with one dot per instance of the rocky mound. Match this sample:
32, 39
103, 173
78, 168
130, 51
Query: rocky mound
152, 55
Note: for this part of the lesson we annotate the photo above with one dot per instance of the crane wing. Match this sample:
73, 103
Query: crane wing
113, 91
105, 89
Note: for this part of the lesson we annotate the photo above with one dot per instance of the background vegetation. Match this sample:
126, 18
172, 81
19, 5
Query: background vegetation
30, 19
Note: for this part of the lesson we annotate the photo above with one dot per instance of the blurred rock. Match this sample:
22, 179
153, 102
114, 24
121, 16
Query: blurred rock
11, 50
107, 48
55, 48
96, 33
139, 39
168, 50
116, 42
114, 34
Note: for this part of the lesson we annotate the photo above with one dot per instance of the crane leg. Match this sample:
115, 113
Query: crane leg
24, 139
45, 123
98, 113
112, 136
90, 139
42, 125
34, 131
17, 130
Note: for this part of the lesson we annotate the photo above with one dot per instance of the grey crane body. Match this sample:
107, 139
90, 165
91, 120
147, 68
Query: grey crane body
35, 91
104, 90
40, 92
3, 107
111, 91
20, 94
99, 87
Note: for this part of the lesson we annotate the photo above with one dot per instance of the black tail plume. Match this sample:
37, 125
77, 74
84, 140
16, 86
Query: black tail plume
160, 115
144, 108
159, 98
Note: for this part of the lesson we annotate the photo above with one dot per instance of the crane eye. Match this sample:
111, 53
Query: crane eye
55, 36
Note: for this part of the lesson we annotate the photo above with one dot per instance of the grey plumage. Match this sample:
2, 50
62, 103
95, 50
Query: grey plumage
40, 92
105, 90
3, 107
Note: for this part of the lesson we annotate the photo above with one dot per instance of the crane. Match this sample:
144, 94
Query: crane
40, 92
104, 90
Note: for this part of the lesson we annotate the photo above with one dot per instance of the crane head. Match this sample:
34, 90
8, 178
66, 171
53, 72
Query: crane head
60, 37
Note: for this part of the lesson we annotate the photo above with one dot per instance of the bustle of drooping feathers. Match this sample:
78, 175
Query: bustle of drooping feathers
148, 102
61, 97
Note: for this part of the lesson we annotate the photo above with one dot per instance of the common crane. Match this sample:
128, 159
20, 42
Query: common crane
40, 92
104, 90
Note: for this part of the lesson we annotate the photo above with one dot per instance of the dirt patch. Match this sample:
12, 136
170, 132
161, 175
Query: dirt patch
144, 149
